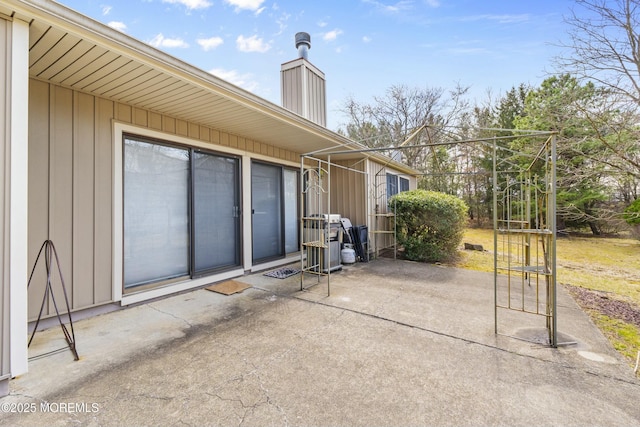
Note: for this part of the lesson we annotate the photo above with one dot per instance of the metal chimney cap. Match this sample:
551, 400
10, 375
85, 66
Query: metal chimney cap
303, 38
303, 44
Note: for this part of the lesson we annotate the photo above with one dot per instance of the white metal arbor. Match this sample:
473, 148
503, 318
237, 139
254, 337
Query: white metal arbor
523, 186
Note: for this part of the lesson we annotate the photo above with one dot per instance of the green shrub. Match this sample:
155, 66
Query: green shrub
632, 213
430, 225
632, 216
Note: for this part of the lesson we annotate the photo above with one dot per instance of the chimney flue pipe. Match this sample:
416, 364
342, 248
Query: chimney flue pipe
303, 44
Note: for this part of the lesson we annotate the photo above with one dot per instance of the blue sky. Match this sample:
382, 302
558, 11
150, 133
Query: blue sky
362, 46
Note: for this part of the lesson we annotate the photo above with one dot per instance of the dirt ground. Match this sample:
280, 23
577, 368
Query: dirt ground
604, 303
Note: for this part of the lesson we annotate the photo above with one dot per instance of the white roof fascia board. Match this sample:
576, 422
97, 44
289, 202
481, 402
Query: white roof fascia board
69, 20
116, 41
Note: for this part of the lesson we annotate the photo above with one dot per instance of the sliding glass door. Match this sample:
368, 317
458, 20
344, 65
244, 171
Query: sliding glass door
266, 204
274, 195
181, 212
156, 213
216, 212
291, 220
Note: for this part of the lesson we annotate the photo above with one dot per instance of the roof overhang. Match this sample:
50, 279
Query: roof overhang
73, 51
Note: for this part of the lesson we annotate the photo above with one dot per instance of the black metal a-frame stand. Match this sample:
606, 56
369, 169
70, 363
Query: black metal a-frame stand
50, 254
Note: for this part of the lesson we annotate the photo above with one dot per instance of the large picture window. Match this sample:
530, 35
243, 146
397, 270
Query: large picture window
181, 212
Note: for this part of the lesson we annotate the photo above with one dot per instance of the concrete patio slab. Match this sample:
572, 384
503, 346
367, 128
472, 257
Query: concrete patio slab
396, 343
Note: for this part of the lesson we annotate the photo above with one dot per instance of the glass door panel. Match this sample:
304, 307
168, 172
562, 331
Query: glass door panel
291, 240
266, 204
156, 214
216, 212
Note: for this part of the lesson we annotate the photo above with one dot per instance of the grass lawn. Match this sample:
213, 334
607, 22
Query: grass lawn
601, 268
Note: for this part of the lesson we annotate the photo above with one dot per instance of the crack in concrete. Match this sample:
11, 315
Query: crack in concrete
380, 310
28, 396
443, 334
247, 409
270, 402
254, 370
152, 397
230, 399
150, 305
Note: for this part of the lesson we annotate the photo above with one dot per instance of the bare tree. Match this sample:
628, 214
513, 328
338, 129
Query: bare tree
605, 45
392, 118
604, 48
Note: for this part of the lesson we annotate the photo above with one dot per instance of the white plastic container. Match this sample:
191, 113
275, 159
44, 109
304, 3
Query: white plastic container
348, 256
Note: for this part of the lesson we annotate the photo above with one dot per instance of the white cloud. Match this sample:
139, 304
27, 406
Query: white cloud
106, 10
245, 4
210, 43
161, 41
397, 7
190, 4
252, 44
432, 3
282, 22
331, 35
322, 24
468, 51
366, 39
245, 81
502, 19
117, 25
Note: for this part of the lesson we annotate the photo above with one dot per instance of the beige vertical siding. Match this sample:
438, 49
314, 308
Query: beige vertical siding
377, 188
348, 191
83, 205
71, 151
61, 190
38, 218
316, 102
103, 201
413, 182
292, 89
303, 78
38, 197
317, 186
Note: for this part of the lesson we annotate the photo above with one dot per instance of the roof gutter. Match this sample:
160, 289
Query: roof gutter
76, 23
125, 45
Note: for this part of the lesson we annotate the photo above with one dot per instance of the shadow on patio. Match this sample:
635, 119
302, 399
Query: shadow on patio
396, 343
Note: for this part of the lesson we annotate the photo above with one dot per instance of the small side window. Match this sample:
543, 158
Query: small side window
404, 184
392, 185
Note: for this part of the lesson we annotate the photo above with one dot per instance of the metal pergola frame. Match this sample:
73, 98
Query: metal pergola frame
519, 263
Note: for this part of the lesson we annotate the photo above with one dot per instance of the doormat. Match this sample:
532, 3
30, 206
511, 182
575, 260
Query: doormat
229, 287
282, 273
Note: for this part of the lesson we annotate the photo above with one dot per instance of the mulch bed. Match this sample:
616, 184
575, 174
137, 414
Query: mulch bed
603, 303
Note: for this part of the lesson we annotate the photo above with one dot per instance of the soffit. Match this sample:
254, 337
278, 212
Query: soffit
72, 51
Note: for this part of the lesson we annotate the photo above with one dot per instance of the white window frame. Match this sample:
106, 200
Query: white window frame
118, 203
